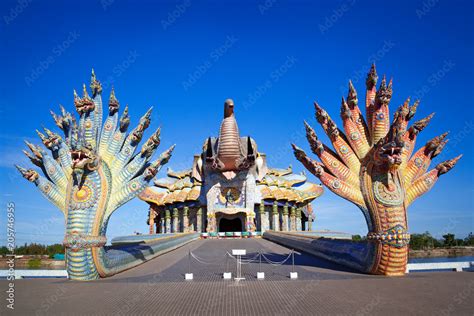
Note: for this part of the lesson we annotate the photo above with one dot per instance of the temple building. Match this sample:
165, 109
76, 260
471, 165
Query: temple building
230, 188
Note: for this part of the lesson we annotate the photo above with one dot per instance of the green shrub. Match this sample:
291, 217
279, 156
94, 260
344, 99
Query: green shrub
34, 263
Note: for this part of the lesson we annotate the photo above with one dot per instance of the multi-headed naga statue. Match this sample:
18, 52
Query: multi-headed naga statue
89, 174
373, 167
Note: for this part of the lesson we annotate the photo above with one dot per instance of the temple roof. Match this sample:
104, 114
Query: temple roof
280, 172
176, 187
282, 184
277, 184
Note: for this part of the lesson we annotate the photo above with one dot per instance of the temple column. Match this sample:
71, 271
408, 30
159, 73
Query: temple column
293, 218
310, 217
268, 216
284, 220
168, 221
162, 222
298, 219
250, 225
185, 219
211, 222
199, 220
151, 220
180, 220
175, 220
276, 217
192, 220
261, 212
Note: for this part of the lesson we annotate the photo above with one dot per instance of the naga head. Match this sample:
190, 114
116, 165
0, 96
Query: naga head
412, 109
84, 105
36, 150
321, 115
447, 165
402, 112
52, 141
64, 121
151, 144
124, 120
28, 174
96, 87
388, 153
137, 133
317, 146
113, 103
372, 78
228, 108
151, 171
352, 100
420, 125
384, 93
84, 160
298, 152
333, 131
388, 150
345, 110
434, 146
314, 167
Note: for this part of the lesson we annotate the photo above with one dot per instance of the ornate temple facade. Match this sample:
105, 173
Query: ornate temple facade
230, 188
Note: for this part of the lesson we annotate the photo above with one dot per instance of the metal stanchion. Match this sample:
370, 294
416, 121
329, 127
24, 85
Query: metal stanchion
227, 275
260, 275
239, 253
293, 274
189, 275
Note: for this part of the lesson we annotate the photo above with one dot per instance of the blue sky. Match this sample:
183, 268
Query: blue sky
274, 58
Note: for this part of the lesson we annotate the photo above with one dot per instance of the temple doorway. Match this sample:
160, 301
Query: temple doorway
230, 223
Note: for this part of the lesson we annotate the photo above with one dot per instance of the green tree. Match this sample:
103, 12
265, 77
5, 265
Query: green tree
437, 243
424, 241
35, 249
416, 241
51, 250
469, 240
4, 250
449, 240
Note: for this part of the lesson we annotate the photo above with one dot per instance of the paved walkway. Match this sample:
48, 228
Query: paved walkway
158, 287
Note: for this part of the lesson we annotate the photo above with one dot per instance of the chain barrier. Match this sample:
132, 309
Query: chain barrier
246, 260
200, 260
274, 263
257, 258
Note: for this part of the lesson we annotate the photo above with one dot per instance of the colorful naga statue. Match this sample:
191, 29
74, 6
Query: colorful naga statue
90, 173
373, 167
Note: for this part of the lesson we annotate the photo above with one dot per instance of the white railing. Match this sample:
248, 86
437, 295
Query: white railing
454, 266
20, 274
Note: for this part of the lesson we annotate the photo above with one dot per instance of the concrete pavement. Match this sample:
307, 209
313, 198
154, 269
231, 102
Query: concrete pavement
158, 287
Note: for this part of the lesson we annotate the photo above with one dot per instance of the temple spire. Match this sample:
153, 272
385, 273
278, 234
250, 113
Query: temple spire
228, 108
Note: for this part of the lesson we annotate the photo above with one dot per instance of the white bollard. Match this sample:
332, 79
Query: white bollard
227, 275
293, 275
260, 275
188, 276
